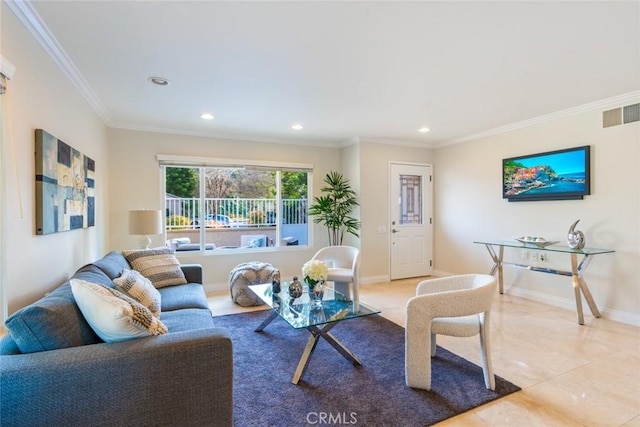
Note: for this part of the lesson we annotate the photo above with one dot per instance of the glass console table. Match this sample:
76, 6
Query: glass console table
299, 314
576, 273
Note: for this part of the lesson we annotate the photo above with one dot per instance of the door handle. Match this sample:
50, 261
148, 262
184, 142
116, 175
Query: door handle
393, 230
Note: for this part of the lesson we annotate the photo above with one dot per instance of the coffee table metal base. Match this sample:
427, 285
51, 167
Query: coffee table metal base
316, 334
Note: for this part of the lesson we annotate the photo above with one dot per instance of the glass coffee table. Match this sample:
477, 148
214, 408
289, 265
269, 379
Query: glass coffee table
298, 313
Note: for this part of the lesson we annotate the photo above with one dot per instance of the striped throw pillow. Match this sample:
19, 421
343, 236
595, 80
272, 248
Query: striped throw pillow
158, 265
140, 288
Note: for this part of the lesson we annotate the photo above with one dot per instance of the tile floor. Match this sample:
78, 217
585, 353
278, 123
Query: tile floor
570, 375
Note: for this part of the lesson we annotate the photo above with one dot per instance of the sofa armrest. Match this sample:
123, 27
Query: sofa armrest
192, 272
162, 380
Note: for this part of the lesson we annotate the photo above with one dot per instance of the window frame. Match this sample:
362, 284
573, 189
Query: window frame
165, 161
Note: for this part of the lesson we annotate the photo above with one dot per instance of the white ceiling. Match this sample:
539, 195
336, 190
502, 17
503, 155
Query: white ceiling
374, 70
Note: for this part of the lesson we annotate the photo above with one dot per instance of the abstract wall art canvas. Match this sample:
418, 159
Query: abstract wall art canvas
65, 186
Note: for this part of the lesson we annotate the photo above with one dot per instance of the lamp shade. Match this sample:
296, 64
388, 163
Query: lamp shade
144, 222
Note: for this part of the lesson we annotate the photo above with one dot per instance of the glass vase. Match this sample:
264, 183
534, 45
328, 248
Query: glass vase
316, 292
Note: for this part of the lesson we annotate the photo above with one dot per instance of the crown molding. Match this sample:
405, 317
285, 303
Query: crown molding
397, 142
7, 69
612, 102
349, 141
25, 12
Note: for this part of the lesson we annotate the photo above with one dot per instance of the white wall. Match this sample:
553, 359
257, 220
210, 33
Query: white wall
469, 206
135, 178
350, 167
40, 96
374, 202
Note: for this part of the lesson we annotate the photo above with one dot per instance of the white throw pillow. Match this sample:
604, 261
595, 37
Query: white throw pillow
113, 315
132, 283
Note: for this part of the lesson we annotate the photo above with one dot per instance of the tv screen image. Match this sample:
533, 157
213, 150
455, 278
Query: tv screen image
553, 175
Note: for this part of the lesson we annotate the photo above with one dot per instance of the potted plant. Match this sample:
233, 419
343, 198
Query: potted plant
334, 207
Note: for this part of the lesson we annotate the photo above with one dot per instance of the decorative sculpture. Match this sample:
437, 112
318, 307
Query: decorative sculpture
295, 288
575, 239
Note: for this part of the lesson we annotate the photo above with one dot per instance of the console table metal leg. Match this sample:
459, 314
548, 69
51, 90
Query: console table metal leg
500, 265
576, 287
580, 287
589, 298
585, 289
497, 264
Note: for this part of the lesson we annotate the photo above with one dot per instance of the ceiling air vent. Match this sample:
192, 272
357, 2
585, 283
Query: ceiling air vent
631, 113
612, 117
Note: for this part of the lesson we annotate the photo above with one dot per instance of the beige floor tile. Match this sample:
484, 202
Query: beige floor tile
633, 423
518, 410
585, 404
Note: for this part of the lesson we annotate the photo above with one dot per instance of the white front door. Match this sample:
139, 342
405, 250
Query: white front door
411, 225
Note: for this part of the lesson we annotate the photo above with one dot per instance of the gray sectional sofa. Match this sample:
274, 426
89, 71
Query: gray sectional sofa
70, 377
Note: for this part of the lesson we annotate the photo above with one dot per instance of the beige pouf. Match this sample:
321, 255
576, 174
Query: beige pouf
246, 274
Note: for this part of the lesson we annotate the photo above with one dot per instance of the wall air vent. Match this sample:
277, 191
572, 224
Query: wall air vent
612, 117
631, 113
621, 115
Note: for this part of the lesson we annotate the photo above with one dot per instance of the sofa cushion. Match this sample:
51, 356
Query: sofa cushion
187, 319
55, 321
113, 315
140, 288
190, 295
112, 264
8, 346
159, 265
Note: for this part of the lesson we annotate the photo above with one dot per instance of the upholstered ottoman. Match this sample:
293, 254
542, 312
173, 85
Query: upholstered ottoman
250, 273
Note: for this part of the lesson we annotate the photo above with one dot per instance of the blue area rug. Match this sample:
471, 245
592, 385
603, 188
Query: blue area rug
335, 392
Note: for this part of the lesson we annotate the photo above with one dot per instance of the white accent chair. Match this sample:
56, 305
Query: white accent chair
456, 306
344, 270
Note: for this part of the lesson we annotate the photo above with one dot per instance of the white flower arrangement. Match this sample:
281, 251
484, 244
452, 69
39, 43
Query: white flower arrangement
314, 272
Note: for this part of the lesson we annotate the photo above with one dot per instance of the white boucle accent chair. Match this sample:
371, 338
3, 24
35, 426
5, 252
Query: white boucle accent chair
457, 306
344, 270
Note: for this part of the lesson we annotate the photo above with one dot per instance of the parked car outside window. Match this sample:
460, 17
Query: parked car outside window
213, 221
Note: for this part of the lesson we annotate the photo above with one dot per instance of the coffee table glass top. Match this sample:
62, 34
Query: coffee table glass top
298, 313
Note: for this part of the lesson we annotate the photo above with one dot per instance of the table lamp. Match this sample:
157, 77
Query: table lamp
145, 223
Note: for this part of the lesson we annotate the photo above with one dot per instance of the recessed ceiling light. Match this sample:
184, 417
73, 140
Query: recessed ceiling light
160, 81
297, 126
207, 116
424, 129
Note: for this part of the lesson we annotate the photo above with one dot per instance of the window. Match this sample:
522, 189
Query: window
218, 205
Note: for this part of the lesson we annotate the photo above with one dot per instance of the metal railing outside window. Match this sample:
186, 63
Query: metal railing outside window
183, 213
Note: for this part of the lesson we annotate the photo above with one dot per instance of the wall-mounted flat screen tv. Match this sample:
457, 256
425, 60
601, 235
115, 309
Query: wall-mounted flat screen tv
554, 175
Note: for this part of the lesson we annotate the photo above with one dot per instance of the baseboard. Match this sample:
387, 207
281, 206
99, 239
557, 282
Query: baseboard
570, 304
440, 273
386, 278
373, 279
215, 287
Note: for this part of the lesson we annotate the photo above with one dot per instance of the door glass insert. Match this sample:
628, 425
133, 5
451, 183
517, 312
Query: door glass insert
410, 199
